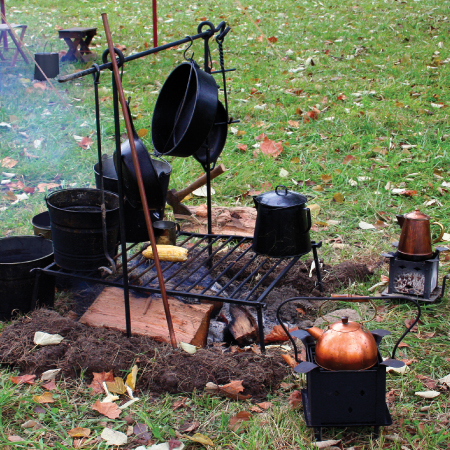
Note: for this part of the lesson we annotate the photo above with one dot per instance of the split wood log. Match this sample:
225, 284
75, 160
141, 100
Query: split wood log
190, 322
243, 326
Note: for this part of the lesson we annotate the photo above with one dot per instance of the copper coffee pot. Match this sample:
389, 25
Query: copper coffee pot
415, 238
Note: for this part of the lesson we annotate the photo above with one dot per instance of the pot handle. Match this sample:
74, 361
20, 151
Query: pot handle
441, 234
281, 186
308, 215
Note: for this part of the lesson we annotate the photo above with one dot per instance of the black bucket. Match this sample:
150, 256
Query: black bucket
18, 256
41, 225
49, 65
135, 226
77, 230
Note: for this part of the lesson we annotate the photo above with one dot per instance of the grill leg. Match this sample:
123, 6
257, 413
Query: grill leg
316, 261
376, 432
318, 433
261, 329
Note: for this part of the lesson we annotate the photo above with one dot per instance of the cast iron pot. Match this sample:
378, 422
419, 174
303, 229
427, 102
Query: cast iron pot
155, 174
282, 223
185, 111
135, 226
215, 142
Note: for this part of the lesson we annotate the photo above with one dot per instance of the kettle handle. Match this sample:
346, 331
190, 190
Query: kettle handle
441, 234
308, 215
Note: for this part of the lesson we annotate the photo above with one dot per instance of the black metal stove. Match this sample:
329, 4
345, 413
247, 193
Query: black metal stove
343, 398
416, 279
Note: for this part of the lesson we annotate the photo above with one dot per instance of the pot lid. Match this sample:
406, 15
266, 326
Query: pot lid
281, 197
344, 326
416, 215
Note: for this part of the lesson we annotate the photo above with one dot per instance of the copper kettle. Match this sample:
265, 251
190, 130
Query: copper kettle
415, 238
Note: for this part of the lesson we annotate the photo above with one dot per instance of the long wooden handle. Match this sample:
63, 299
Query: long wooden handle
137, 168
200, 182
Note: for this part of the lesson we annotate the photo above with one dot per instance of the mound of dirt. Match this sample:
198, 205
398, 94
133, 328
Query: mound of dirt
163, 369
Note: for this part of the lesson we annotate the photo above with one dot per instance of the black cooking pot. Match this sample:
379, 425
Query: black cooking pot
185, 111
215, 142
155, 174
135, 226
282, 223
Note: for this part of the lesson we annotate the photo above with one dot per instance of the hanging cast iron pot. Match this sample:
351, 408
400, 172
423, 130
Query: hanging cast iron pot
185, 111
155, 174
282, 223
215, 142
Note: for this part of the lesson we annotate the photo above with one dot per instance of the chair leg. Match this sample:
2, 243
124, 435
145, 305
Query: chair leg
18, 46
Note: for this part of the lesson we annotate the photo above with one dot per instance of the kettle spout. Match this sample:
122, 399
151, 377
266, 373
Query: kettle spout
400, 219
315, 332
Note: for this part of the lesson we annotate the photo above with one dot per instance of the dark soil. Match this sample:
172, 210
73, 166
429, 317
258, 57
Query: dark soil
163, 369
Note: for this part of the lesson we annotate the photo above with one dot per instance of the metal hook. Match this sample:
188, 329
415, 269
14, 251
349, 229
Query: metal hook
190, 45
96, 74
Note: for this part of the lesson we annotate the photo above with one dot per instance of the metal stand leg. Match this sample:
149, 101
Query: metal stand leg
318, 433
259, 313
35, 289
316, 261
376, 432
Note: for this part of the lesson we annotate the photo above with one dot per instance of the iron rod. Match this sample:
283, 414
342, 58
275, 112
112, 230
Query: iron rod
272, 268
249, 277
139, 180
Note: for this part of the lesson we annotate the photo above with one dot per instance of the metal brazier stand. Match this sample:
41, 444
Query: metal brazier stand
210, 256
342, 398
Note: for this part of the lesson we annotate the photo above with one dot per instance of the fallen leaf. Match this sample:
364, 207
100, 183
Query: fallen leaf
242, 147
326, 178
50, 386
347, 159
277, 334
380, 224
43, 339
284, 173
85, 142
201, 439
445, 380
427, 394
293, 123
179, 404
131, 378
43, 187
13, 438
141, 431
9, 162
265, 405
113, 437
231, 390
46, 397
366, 226
142, 132
50, 374
110, 410
21, 379
290, 361
271, 148
188, 427
261, 137
188, 348
31, 424
295, 399
99, 378
327, 444
40, 85
237, 420
117, 386
272, 39
338, 198
79, 432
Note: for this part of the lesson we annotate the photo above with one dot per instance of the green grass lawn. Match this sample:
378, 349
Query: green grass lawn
357, 95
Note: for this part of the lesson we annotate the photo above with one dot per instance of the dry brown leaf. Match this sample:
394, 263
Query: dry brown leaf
42, 187
28, 379
256, 409
347, 159
40, 85
277, 334
201, 439
261, 137
189, 427
117, 386
9, 162
79, 432
338, 198
237, 420
293, 123
108, 409
99, 378
265, 405
272, 39
232, 390
46, 397
295, 399
179, 404
142, 132
131, 378
85, 142
13, 438
290, 361
271, 148
50, 386
242, 147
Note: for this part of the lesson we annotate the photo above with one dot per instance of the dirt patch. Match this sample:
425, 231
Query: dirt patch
163, 369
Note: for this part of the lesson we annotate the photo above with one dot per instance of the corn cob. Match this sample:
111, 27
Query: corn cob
167, 253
